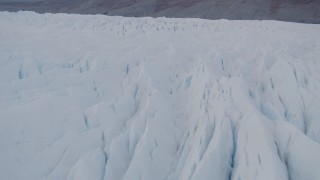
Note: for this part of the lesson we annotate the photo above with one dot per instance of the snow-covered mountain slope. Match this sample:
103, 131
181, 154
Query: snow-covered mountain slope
108, 98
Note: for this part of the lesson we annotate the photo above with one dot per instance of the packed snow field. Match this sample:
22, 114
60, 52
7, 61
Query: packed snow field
108, 98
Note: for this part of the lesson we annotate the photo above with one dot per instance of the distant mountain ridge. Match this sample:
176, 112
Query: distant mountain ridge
307, 11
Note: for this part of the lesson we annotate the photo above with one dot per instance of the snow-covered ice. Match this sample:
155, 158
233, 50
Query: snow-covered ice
108, 98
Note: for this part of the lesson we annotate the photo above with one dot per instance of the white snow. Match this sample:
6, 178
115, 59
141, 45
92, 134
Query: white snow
108, 98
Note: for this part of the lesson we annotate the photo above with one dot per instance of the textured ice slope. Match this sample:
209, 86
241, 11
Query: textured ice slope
108, 98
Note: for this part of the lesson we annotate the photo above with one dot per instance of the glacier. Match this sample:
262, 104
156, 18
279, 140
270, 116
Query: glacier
92, 97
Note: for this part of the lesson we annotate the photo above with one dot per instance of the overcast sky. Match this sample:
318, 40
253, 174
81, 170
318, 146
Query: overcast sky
18, 0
